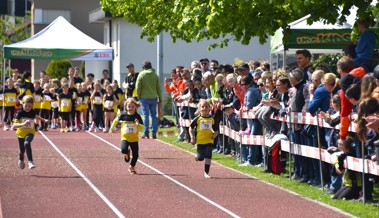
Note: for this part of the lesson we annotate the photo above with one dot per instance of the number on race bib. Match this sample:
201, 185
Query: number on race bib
98, 99
80, 99
11, 99
206, 125
46, 98
130, 128
64, 103
54, 104
108, 103
37, 98
30, 125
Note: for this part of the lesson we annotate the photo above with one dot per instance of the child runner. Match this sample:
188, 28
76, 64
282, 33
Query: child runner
46, 105
85, 95
97, 107
131, 123
109, 102
54, 109
10, 98
206, 131
24, 122
65, 102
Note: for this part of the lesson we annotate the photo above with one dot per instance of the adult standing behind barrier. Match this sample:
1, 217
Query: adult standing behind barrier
150, 94
321, 101
297, 80
252, 99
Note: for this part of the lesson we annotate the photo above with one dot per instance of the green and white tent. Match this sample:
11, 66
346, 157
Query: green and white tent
59, 40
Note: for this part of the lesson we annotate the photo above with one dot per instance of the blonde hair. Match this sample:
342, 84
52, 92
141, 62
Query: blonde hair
329, 78
200, 104
132, 101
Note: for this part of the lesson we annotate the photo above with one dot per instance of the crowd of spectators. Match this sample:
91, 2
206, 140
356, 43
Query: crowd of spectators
339, 98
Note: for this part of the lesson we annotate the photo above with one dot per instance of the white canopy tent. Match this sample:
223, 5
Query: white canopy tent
59, 40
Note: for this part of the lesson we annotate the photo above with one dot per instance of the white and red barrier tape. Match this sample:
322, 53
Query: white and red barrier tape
351, 163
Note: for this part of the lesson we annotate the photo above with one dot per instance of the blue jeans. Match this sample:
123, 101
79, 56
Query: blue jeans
149, 107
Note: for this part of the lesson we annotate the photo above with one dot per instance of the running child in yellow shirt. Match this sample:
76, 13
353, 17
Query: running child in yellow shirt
131, 123
24, 122
206, 131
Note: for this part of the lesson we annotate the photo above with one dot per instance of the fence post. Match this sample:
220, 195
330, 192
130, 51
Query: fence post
290, 141
319, 150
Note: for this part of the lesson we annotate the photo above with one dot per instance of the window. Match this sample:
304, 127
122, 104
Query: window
46, 16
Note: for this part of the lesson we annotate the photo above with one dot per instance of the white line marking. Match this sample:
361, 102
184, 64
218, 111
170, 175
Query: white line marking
175, 181
98, 192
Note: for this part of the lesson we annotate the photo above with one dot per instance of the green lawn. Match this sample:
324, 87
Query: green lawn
354, 208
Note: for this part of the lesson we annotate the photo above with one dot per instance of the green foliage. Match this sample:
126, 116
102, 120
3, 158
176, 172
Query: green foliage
167, 105
58, 68
329, 60
82, 69
232, 20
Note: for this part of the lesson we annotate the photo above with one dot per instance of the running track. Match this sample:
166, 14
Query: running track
83, 174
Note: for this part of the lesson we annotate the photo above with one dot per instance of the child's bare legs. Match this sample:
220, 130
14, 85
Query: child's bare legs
107, 116
207, 167
83, 115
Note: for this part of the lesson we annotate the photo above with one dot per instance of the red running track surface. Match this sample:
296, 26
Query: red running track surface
81, 174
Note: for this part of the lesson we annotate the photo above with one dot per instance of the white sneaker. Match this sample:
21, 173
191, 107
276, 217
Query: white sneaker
21, 164
5, 128
31, 165
245, 164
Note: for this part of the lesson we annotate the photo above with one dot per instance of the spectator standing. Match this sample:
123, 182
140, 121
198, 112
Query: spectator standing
150, 94
130, 82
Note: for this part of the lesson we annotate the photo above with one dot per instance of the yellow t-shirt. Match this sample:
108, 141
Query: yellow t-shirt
204, 129
65, 102
129, 129
21, 117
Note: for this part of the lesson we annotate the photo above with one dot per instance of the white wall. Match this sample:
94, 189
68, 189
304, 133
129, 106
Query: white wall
133, 49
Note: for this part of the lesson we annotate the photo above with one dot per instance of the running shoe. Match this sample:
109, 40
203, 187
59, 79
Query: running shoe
21, 164
31, 165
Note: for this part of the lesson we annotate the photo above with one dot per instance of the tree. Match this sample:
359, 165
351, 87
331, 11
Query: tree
232, 20
58, 68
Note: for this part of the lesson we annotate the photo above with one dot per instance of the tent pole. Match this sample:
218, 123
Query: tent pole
284, 58
3, 88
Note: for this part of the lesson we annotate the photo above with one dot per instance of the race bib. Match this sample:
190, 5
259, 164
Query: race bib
85, 100
108, 103
11, 99
1, 97
64, 103
54, 104
46, 98
130, 128
37, 98
79, 100
30, 125
98, 100
206, 125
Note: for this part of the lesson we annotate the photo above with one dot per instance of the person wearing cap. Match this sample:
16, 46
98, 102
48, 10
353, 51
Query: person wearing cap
149, 93
130, 82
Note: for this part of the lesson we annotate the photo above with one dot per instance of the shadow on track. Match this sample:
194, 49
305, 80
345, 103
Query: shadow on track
57, 177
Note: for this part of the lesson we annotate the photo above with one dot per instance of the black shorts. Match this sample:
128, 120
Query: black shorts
204, 151
107, 110
65, 116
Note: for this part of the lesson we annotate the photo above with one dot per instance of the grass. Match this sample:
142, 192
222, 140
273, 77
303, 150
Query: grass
354, 208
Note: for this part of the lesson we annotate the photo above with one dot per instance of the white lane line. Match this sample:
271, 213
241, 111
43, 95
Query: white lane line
175, 181
98, 192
